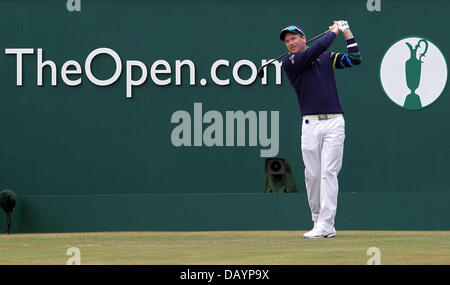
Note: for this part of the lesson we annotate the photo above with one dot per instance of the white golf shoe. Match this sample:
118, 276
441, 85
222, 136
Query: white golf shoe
320, 233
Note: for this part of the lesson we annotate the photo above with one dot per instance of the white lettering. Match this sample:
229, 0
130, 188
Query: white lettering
65, 70
213, 135
19, 52
130, 82
92, 55
215, 128
41, 65
154, 71
198, 124
181, 135
278, 66
73, 5
178, 65
373, 5
376, 258
240, 118
272, 142
214, 67
75, 254
192, 275
236, 72
158, 67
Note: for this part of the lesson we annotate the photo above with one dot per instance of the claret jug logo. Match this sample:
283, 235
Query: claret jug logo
413, 73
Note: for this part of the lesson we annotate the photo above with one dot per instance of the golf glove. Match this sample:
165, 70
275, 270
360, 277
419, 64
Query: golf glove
343, 25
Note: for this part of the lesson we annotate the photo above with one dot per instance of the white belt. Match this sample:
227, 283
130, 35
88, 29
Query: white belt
321, 117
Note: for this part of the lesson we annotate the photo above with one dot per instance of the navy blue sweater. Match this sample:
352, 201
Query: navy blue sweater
311, 73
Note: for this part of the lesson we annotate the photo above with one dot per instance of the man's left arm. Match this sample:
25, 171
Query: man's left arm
353, 57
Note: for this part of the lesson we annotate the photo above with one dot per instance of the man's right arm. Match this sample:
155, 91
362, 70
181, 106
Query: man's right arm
353, 57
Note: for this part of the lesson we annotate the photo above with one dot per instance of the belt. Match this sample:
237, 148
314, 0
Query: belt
321, 117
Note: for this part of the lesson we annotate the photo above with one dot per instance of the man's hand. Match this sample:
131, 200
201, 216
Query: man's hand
334, 28
344, 28
343, 25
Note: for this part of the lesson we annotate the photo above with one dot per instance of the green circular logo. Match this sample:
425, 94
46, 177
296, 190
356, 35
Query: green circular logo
413, 73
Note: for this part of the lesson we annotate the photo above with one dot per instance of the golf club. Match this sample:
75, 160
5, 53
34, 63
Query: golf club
261, 69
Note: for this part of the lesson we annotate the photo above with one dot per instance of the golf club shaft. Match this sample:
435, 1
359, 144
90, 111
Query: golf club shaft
308, 41
283, 55
318, 36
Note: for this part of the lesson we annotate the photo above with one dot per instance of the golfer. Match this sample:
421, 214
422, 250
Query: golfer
311, 71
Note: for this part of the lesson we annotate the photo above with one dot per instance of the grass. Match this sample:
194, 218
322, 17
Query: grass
227, 248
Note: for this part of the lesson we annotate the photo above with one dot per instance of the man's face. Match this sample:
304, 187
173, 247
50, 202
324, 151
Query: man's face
295, 42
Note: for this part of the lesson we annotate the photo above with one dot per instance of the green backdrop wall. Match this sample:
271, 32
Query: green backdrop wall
87, 158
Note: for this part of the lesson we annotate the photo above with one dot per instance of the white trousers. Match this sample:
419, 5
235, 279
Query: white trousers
322, 151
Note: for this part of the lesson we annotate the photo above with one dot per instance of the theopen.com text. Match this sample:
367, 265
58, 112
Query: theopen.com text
159, 68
